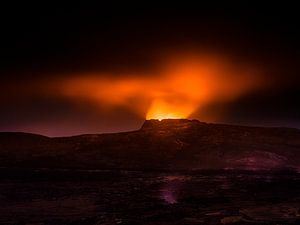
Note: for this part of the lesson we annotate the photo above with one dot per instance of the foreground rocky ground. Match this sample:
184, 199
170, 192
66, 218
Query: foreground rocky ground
65, 197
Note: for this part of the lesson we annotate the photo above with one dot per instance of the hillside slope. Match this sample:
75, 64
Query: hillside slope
167, 144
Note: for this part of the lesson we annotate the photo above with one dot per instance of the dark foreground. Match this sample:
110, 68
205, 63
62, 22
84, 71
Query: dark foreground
127, 197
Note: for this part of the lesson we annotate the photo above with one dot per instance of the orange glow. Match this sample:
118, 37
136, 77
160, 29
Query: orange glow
180, 88
161, 109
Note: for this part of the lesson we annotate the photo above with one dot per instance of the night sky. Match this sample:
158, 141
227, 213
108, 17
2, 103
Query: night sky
93, 69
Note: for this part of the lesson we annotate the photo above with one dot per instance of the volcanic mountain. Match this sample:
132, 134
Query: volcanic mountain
170, 144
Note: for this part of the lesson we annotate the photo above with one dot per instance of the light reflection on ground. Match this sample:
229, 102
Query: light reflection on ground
172, 185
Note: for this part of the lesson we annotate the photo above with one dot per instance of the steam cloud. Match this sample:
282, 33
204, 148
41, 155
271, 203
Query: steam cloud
179, 87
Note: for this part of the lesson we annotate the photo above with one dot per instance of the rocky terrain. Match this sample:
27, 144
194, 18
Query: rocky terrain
167, 172
63, 197
171, 144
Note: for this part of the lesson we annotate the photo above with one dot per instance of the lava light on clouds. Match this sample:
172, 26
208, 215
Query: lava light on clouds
177, 90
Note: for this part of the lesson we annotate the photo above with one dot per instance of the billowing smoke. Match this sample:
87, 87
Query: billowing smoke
179, 87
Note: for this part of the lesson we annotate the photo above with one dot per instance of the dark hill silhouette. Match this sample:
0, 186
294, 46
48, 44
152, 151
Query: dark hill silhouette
171, 144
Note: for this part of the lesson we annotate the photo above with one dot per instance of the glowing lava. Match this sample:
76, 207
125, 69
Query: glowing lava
161, 109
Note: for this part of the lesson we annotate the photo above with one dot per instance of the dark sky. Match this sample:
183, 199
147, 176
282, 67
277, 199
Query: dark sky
51, 43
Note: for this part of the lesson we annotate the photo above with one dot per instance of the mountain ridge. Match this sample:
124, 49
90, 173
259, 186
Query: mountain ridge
146, 124
168, 144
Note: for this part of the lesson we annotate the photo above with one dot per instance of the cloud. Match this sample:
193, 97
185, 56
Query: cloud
180, 86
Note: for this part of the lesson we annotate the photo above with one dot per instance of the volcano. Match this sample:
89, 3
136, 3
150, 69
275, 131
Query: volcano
169, 144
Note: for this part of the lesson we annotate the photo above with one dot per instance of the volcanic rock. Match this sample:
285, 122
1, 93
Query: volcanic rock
171, 144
